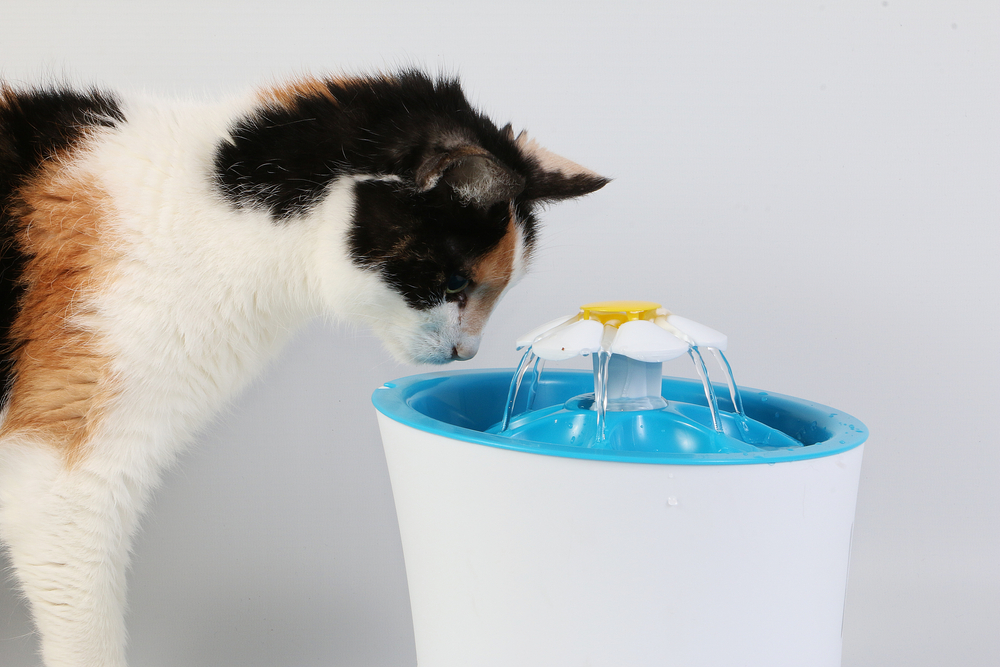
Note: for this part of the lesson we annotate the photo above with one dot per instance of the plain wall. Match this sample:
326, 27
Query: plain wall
819, 181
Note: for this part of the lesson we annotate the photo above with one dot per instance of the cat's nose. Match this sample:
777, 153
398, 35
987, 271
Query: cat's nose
463, 352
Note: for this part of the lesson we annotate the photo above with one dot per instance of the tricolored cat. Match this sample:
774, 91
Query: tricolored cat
155, 255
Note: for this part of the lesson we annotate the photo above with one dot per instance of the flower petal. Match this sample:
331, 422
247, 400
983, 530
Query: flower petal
644, 341
581, 337
529, 338
701, 335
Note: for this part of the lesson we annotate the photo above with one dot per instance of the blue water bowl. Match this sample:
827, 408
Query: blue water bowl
468, 406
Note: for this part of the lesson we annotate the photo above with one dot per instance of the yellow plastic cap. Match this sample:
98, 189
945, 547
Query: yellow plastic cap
618, 312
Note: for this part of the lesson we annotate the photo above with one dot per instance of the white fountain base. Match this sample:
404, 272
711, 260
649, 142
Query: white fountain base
515, 558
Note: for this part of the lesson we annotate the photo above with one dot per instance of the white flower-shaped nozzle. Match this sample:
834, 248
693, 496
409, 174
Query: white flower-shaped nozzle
640, 330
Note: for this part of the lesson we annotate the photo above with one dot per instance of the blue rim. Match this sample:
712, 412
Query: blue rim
462, 404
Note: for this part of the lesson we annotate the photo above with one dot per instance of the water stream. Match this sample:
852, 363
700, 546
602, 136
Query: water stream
734, 392
602, 360
601, 394
602, 364
713, 402
515, 386
533, 387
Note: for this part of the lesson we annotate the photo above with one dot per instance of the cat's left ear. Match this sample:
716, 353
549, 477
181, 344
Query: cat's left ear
554, 177
473, 173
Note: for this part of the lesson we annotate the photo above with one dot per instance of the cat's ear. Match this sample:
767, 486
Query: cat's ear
554, 176
474, 174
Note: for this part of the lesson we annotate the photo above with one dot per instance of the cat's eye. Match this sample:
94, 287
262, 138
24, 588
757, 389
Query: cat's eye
456, 284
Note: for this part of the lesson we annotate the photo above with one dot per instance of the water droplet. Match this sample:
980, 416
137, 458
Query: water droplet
843, 442
672, 501
763, 396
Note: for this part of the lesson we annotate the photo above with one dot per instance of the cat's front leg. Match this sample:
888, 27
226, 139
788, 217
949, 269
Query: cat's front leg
68, 530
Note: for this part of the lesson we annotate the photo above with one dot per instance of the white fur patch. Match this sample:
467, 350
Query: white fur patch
549, 161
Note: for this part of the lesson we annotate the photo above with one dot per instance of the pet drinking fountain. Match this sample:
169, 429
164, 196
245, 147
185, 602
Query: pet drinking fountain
619, 517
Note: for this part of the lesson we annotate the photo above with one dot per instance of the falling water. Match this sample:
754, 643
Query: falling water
633, 389
713, 403
602, 361
601, 394
734, 391
533, 387
515, 386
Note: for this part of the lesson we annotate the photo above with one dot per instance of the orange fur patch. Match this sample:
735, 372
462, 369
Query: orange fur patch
491, 275
288, 94
61, 380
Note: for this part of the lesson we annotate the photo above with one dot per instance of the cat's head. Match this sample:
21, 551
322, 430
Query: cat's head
440, 249
440, 201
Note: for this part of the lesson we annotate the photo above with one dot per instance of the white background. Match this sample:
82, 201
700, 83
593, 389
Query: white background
820, 181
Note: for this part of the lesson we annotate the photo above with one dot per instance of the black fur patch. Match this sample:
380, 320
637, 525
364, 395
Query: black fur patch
553, 186
417, 241
440, 212
35, 126
282, 158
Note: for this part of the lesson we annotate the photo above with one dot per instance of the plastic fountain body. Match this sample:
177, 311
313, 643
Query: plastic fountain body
617, 517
